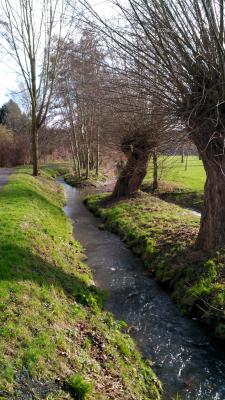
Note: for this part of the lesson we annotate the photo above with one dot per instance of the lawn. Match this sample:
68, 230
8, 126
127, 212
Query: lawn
56, 341
172, 170
178, 184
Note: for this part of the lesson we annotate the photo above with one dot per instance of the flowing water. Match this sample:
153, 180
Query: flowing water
185, 358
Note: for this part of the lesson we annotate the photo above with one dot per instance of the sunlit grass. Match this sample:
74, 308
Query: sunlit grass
52, 325
172, 170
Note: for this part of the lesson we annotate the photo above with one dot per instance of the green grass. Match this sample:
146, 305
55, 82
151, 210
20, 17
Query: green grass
55, 168
173, 171
177, 184
163, 235
78, 387
82, 181
52, 324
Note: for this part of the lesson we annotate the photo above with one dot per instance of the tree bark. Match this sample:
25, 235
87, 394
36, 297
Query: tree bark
87, 163
212, 228
34, 138
131, 177
97, 155
182, 156
210, 146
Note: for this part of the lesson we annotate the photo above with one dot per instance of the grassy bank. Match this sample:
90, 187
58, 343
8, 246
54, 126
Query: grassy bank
163, 235
178, 184
56, 342
52, 170
83, 181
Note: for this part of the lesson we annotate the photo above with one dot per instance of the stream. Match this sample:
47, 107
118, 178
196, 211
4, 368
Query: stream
185, 357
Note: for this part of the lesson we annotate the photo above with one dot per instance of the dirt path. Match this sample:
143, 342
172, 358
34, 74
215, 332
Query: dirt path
4, 175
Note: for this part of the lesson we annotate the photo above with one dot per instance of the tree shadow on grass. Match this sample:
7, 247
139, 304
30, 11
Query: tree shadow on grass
19, 264
20, 195
183, 198
186, 199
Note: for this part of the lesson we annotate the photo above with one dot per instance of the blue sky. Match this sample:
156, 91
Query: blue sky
7, 80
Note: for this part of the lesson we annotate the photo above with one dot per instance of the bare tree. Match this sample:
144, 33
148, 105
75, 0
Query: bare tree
31, 31
185, 39
138, 124
78, 95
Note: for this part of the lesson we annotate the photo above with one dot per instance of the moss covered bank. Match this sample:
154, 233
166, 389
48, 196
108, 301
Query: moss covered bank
163, 235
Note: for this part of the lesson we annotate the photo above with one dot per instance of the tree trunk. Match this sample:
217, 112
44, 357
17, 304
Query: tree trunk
35, 159
155, 184
131, 177
87, 163
182, 156
212, 225
97, 155
212, 228
78, 165
186, 164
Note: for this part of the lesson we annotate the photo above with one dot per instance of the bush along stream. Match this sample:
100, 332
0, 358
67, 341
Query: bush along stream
162, 234
56, 340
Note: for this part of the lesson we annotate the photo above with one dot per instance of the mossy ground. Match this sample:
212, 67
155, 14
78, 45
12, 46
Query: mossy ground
163, 235
52, 325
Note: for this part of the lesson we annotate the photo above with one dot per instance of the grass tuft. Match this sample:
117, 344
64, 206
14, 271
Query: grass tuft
78, 387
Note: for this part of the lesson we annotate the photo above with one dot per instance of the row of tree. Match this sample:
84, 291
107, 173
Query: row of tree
15, 135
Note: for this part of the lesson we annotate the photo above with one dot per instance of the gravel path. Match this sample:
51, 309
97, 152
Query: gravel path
4, 175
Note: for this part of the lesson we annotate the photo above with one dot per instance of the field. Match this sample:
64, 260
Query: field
179, 184
56, 340
172, 170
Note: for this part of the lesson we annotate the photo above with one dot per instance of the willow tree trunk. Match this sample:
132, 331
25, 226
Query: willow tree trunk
212, 228
212, 225
131, 177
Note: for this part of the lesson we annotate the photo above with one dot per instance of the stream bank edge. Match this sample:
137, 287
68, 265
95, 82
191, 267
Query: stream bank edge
53, 325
